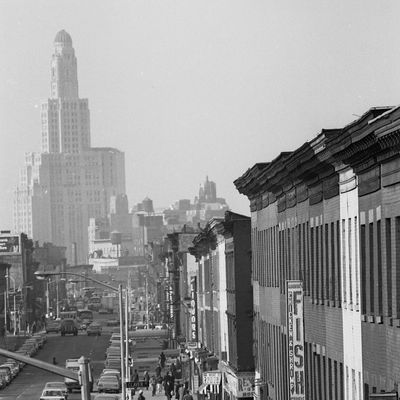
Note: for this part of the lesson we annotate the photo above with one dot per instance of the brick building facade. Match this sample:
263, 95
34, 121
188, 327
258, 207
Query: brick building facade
328, 215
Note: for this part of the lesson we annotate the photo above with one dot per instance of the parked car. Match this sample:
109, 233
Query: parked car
7, 369
68, 326
3, 381
94, 329
6, 376
108, 384
40, 339
14, 368
107, 396
112, 322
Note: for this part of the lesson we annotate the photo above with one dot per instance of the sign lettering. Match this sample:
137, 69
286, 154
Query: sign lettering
295, 337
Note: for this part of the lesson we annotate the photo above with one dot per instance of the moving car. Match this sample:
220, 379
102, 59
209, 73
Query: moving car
53, 326
52, 394
94, 329
57, 386
69, 326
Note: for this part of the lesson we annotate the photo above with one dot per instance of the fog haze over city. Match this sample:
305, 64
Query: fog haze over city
195, 88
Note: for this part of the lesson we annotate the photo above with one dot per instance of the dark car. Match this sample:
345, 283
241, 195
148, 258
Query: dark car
94, 329
69, 326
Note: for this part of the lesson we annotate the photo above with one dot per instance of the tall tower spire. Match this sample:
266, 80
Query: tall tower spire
65, 117
64, 75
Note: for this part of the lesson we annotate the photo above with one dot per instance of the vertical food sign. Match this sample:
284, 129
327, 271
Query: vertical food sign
295, 336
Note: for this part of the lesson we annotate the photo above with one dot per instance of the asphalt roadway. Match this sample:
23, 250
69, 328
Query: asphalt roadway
28, 385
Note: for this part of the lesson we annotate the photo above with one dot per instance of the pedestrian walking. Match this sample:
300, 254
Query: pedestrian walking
181, 390
146, 378
153, 384
158, 371
169, 385
162, 359
136, 379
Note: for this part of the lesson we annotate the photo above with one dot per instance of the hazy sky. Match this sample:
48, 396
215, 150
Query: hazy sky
194, 88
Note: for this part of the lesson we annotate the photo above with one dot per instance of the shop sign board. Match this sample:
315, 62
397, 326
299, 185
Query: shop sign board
193, 309
191, 345
240, 385
295, 337
10, 244
212, 377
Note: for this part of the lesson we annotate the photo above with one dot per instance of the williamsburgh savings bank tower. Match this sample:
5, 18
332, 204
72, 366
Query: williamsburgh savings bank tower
69, 181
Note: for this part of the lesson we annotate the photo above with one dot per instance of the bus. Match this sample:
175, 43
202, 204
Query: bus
85, 314
69, 314
94, 303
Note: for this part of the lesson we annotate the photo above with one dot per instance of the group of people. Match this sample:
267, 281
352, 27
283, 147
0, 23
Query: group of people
158, 383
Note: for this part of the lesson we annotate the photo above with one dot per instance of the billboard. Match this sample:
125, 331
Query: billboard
10, 244
295, 337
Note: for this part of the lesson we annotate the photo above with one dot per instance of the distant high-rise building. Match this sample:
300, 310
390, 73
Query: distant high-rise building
69, 181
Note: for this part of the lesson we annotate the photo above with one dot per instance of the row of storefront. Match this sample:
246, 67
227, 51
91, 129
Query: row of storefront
300, 300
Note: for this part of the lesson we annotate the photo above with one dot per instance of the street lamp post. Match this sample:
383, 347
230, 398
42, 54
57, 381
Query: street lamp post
46, 275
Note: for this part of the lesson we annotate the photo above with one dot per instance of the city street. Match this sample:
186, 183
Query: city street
30, 382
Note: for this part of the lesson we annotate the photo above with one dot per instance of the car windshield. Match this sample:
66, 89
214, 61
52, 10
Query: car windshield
109, 378
52, 393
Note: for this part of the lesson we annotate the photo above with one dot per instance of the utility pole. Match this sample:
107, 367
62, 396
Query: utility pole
84, 378
121, 329
128, 370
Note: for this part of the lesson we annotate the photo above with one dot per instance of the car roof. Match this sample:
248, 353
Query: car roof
55, 383
108, 378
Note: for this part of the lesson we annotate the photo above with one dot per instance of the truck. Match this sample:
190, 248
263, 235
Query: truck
94, 303
109, 304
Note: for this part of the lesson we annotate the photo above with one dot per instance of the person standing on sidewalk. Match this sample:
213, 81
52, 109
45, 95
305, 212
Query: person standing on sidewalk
153, 384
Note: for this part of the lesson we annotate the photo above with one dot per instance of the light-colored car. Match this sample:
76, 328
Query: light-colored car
5, 376
107, 396
14, 368
57, 386
8, 369
109, 384
52, 394
53, 326
3, 381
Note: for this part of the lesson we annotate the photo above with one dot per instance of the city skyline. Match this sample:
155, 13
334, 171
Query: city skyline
203, 94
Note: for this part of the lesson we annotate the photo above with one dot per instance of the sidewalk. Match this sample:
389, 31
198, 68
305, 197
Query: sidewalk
148, 396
